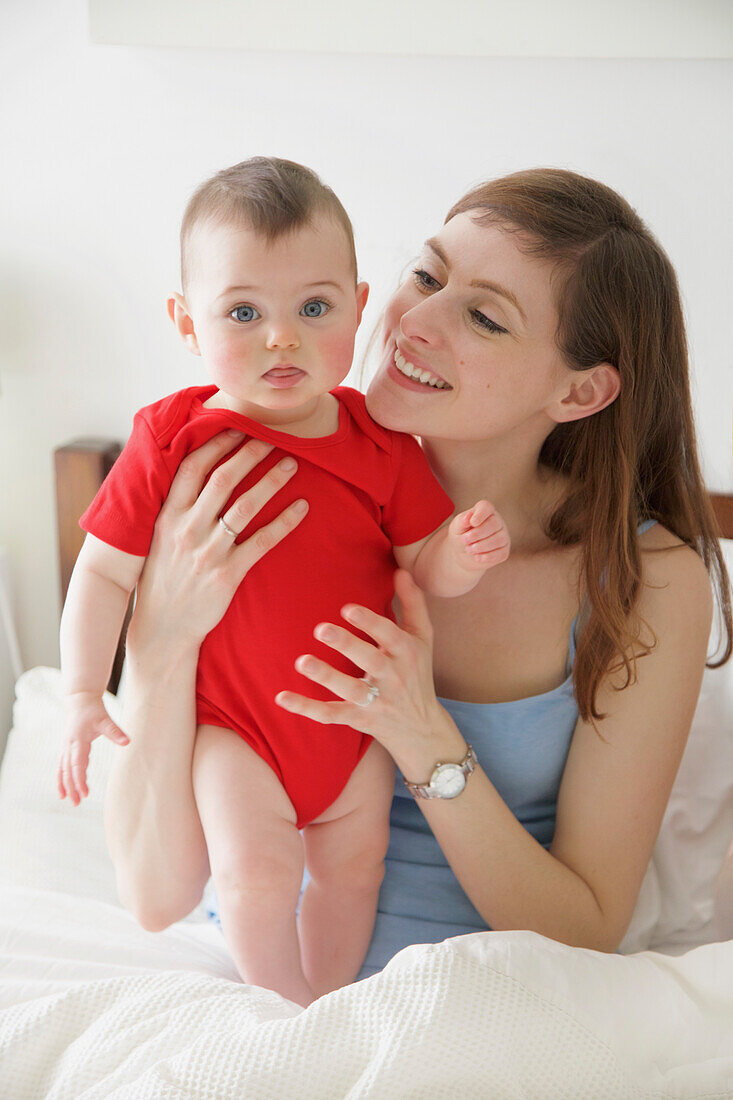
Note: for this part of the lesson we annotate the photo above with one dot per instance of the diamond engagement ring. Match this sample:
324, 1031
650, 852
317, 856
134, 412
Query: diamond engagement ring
227, 528
373, 693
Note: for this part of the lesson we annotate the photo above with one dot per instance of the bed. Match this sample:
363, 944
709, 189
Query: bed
92, 1005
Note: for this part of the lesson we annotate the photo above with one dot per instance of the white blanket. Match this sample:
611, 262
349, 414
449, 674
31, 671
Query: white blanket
92, 1006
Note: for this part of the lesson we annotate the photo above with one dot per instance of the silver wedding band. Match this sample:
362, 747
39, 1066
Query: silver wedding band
227, 528
373, 694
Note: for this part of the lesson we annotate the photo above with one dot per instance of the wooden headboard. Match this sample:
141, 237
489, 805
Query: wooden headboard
81, 467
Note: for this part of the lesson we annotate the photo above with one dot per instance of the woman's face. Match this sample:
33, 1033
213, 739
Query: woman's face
479, 316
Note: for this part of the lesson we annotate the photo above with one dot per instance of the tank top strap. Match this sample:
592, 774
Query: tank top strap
643, 526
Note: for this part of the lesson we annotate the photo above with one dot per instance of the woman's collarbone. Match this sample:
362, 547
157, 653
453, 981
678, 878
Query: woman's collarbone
509, 638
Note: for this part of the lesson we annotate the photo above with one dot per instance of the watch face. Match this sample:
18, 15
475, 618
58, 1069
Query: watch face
448, 780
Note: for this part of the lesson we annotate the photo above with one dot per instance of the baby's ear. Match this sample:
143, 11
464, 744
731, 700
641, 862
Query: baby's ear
182, 319
171, 306
362, 293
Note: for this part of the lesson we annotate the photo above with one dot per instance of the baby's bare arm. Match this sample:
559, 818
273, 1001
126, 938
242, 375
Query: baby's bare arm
94, 611
452, 560
96, 602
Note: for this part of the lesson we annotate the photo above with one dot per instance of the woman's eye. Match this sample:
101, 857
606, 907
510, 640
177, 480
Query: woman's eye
244, 313
316, 308
427, 282
423, 279
485, 322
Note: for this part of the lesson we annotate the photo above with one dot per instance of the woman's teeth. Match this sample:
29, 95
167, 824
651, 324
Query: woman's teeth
417, 375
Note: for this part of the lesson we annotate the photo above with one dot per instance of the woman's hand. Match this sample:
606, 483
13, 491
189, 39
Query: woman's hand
405, 714
194, 567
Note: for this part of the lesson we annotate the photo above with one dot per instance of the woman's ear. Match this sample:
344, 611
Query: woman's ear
182, 319
588, 392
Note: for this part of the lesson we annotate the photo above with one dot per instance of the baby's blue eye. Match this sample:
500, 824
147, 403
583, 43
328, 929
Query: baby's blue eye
244, 313
310, 308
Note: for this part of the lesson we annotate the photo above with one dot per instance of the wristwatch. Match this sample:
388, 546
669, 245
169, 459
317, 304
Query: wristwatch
447, 780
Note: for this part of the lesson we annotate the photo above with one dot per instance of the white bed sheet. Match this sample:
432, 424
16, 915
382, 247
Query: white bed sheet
93, 1006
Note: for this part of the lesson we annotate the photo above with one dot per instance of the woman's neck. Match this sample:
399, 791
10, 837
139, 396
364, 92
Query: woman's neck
521, 490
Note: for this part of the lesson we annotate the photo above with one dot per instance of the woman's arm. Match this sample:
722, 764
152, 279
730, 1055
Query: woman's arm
613, 793
153, 830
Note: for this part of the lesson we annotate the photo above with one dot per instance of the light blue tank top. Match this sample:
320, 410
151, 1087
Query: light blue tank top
522, 746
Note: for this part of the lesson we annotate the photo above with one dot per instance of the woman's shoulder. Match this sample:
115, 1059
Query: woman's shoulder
675, 580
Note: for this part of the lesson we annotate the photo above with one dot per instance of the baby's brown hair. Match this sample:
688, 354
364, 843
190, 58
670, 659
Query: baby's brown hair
271, 196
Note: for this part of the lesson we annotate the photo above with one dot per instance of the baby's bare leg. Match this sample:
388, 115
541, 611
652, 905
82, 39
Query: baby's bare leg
344, 850
256, 856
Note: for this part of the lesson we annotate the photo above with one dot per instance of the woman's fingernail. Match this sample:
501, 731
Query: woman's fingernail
234, 433
300, 507
288, 464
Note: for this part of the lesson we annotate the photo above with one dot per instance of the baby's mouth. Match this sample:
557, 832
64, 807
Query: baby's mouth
284, 376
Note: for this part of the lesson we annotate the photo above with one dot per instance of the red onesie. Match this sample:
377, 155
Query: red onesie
367, 489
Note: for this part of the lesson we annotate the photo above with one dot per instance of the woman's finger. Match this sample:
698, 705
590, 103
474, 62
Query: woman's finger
351, 689
361, 653
257, 545
327, 714
382, 630
414, 616
225, 478
250, 503
191, 473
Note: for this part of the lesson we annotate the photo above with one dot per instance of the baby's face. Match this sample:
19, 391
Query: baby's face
274, 322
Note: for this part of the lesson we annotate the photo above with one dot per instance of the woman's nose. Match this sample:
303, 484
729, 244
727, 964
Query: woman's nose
421, 323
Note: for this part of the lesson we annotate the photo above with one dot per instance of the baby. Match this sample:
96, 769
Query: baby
270, 301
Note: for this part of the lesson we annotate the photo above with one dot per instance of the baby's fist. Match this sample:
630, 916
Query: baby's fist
86, 719
480, 537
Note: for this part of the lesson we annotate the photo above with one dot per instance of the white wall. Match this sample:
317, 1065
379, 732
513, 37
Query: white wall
102, 145
482, 28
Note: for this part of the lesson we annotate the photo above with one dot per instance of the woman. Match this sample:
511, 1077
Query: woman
573, 669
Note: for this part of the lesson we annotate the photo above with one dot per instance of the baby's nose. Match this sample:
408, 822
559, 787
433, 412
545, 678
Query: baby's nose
282, 336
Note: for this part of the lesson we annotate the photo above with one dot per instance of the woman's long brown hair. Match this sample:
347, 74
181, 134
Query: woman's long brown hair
618, 302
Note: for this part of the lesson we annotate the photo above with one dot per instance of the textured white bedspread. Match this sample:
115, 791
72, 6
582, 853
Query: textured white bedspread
492, 1015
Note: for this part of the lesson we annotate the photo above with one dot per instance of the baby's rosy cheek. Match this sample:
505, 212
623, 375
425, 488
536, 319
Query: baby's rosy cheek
227, 358
338, 351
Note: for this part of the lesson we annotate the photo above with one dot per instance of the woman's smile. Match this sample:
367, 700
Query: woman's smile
410, 367
412, 376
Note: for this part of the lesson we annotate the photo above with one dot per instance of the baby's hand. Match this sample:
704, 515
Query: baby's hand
86, 719
479, 537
